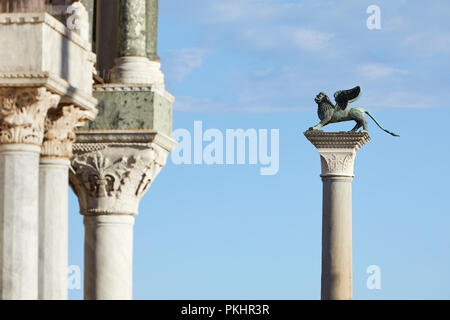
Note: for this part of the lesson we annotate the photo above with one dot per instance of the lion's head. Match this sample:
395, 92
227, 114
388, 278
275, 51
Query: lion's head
321, 98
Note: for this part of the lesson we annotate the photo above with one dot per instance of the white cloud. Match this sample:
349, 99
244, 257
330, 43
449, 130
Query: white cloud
182, 62
378, 71
310, 39
282, 37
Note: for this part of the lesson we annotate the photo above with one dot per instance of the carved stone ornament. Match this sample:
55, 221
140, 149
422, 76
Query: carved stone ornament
113, 179
59, 132
337, 163
22, 114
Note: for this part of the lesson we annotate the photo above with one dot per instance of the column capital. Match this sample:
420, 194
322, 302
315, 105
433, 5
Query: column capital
337, 150
23, 112
111, 171
59, 133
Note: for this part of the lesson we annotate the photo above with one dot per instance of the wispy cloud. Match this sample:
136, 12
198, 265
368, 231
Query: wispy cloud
275, 55
182, 62
378, 71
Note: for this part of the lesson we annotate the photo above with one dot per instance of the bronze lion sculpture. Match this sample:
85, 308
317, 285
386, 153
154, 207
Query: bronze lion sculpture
330, 113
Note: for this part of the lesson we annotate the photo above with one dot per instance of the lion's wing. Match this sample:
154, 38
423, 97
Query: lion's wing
344, 97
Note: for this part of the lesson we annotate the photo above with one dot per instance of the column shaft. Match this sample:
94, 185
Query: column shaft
53, 228
132, 28
337, 238
19, 174
152, 29
108, 257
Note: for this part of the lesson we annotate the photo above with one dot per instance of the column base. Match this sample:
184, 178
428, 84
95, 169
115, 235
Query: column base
137, 70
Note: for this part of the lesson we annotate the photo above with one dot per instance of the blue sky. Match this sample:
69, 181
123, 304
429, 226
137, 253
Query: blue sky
225, 231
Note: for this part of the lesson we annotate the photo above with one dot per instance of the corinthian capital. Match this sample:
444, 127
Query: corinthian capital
59, 132
337, 150
22, 114
111, 172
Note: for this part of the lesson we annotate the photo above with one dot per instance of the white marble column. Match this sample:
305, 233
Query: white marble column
22, 114
110, 172
108, 257
53, 200
337, 154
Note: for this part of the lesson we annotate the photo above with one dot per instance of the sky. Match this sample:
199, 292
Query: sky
224, 231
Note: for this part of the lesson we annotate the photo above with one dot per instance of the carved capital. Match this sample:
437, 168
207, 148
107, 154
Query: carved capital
112, 177
337, 162
22, 114
59, 132
337, 150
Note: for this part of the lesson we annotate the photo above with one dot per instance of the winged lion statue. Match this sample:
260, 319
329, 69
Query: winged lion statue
330, 113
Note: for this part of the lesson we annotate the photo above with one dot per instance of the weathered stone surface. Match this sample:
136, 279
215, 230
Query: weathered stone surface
132, 30
152, 29
132, 107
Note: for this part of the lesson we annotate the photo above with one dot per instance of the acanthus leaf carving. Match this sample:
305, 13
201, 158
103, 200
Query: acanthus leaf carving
22, 114
337, 162
113, 180
59, 133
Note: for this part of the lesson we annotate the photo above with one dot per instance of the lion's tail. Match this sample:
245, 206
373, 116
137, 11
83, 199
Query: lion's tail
378, 124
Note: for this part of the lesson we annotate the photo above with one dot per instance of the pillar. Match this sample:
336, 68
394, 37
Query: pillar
337, 154
108, 257
152, 29
136, 29
53, 200
22, 114
110, 173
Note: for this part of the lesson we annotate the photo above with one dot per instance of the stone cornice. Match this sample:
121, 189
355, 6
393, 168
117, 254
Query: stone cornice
102, 138
55, 84
49, 20
119, 87
337, 140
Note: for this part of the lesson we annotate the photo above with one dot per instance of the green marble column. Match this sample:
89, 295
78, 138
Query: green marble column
132, 28
152, 29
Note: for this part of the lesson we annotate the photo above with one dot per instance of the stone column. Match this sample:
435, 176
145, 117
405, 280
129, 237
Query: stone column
132, 65
110, 173
337, 154
53, 200
22, 114
152, 30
